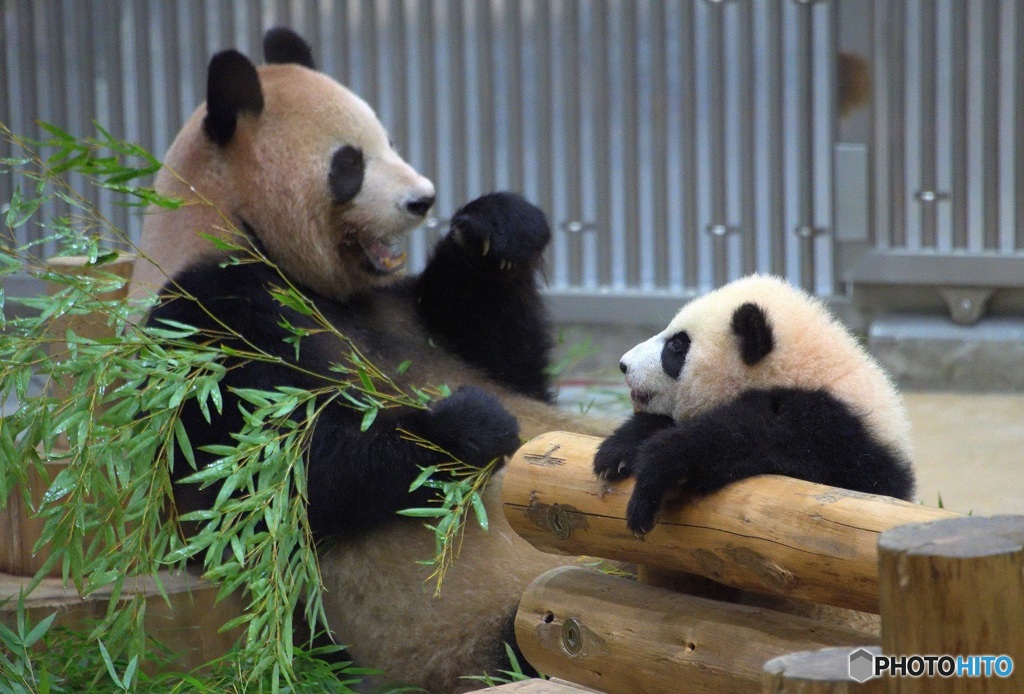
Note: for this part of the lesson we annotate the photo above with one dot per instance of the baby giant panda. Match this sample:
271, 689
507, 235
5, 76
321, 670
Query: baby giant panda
755, 378
306, 170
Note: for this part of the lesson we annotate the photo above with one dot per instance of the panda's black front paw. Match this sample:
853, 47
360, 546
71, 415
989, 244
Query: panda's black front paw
473, 426
617, 454
615, 457
659, 473
502, 231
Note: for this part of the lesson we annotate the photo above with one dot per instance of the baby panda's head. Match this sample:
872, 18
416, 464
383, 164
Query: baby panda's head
300, 162
759, 332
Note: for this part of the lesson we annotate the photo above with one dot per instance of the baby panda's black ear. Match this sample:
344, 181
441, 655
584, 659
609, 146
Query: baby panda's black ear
751, 326
282, 45
232, 88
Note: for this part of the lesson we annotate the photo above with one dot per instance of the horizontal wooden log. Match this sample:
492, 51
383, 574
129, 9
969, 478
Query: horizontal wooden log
768, 534
617, 635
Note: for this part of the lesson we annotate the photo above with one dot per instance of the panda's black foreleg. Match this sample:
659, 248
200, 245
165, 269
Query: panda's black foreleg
357, 480
617, 454
808, 435
478, 294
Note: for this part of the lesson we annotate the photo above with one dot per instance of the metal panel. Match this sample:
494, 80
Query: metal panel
674, 145
946, 145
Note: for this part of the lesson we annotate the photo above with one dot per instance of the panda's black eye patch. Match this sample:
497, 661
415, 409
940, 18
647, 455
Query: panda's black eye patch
346, 175
673, 354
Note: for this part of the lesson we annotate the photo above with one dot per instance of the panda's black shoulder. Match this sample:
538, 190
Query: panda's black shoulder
222, 298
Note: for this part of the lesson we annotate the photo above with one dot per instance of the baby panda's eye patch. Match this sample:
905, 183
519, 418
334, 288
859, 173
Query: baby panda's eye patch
673, 354
346, 175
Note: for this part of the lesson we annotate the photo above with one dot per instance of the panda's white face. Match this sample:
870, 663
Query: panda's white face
653, 369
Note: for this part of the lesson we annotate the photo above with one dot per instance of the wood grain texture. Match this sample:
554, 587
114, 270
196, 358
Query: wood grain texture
617, 635
769, 534
955, 587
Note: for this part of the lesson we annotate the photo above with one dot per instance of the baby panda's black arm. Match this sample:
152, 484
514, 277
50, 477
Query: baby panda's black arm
809, 435
478, 295
617, 453
356, 479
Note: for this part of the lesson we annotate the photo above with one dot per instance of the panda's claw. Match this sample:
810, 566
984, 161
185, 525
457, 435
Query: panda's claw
486, 246
623, 468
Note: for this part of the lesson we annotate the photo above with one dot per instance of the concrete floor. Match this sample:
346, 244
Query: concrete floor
969, 447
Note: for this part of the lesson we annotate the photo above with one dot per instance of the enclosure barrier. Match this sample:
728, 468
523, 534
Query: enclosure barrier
188, 621
770, 535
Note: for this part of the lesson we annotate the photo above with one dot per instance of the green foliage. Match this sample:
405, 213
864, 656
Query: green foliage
516, 674
459, 486
109, 514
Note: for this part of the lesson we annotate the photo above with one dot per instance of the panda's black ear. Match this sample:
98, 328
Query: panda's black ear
282, 45
232, 88
751, 326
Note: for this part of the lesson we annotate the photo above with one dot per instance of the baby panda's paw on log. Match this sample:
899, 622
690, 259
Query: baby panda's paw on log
617, 454
660, 472
472, 425
502, 232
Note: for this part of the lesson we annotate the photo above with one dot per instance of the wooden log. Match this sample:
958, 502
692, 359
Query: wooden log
954, 587
824, 671
19, 527
94, 326
617, 635
770, 534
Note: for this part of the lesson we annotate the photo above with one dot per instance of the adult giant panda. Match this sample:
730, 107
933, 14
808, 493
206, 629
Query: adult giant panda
305, 168
755, 378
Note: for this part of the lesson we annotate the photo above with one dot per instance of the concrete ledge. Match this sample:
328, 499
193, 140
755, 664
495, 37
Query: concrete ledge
931, 352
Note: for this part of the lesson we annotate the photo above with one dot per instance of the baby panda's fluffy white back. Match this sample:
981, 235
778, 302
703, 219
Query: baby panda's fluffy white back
813, 350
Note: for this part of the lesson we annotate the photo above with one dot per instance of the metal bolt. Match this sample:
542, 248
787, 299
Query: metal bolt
806, 231
577, 227
930, 196
558, 521
718, 230
572, 636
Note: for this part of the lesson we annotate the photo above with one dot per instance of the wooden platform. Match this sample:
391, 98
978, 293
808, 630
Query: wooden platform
187, 625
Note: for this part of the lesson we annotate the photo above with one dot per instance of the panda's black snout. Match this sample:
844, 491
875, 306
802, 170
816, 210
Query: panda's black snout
420, 206
622, 367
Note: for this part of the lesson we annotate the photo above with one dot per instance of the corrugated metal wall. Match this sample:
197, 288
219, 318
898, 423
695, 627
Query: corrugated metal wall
954, 114
674, 145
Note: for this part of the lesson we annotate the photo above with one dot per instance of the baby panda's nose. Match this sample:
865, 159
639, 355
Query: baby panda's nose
420, 206
622, 367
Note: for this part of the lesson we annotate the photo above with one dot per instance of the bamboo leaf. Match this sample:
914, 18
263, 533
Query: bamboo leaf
368, 418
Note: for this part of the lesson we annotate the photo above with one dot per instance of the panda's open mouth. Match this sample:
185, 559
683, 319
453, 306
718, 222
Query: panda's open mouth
640, 398
382, 258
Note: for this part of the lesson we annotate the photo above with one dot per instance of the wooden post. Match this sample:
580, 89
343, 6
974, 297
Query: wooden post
824, 671
616, 635
19, 528
954, 587
770, 534
91, 325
